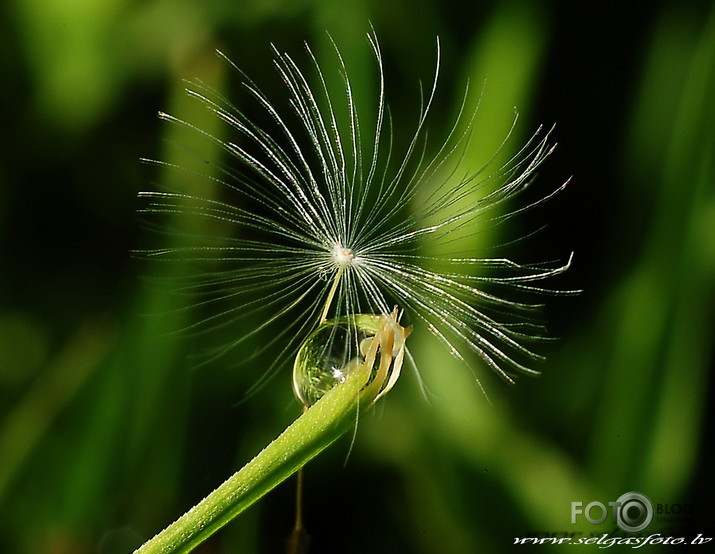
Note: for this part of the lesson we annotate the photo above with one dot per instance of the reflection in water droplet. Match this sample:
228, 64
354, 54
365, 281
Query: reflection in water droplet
329, 354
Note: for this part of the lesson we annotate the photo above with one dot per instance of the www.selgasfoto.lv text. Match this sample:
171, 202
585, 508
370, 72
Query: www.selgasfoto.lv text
605, 540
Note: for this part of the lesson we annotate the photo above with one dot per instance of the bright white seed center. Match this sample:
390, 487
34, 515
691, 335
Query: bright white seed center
343, 256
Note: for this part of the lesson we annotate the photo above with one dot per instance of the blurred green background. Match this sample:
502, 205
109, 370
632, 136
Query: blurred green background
108, 431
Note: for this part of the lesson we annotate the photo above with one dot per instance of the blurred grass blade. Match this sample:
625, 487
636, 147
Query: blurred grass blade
653, 397
33, 416
681, 398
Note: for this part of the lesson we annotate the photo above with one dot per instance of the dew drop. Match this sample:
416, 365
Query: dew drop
329, 354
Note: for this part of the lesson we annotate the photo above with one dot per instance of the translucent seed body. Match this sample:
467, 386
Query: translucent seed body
339, 346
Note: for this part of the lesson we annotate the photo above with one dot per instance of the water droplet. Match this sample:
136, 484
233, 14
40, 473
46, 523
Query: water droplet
329, 354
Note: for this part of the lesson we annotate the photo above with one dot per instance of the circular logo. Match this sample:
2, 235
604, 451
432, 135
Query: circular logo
634, 512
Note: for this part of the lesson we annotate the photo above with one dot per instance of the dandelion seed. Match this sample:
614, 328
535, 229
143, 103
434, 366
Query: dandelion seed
338, 346
321, 225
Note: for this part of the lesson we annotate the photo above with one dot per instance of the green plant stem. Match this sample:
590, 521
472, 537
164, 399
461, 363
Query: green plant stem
319, 426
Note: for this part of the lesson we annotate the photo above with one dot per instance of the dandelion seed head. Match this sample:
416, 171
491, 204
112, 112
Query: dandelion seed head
320, 221
343, 257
